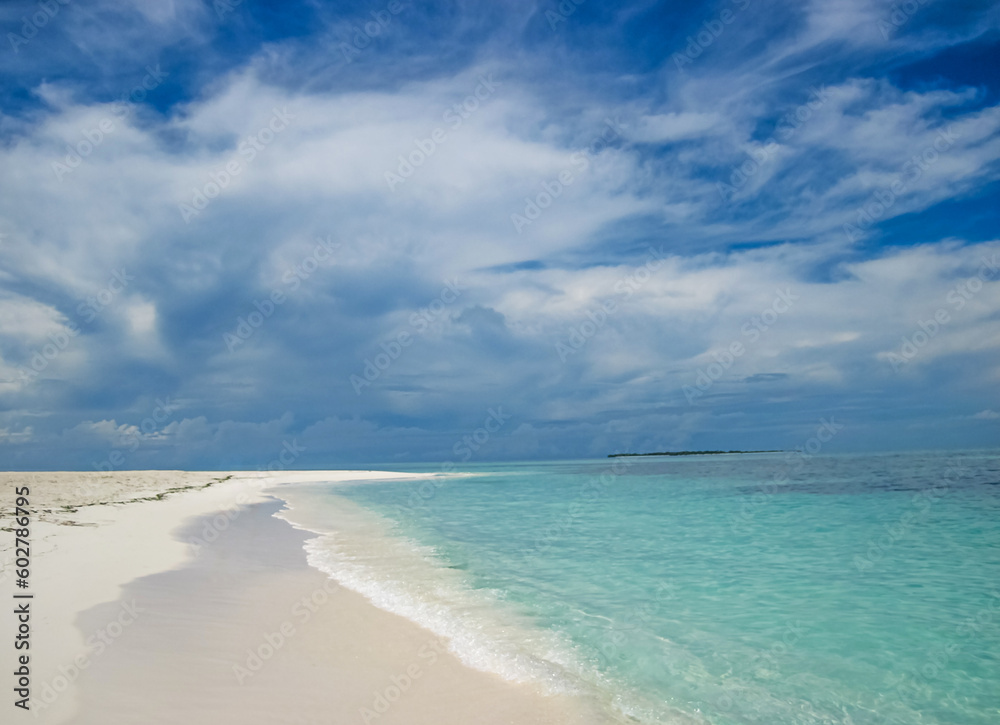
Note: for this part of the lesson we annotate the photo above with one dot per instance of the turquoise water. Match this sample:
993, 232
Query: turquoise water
721, 589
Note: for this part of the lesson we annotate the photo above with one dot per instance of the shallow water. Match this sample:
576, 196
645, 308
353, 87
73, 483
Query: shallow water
722, 589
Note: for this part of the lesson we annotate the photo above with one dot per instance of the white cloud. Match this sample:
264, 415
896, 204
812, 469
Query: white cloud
325, 175
666, 127
9, 436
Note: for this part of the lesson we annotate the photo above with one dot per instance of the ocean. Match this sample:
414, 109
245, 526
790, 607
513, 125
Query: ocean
726, 589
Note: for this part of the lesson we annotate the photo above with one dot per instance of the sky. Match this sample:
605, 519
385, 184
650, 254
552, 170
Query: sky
315, 234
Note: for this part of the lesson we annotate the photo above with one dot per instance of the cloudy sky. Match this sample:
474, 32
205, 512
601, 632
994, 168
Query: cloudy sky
234, 233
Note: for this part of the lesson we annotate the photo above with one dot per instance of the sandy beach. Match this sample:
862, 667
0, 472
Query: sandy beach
165, 597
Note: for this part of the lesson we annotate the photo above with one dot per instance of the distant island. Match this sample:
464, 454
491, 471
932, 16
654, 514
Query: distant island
684, 453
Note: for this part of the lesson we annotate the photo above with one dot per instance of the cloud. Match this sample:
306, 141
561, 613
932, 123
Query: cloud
765, 377
645, 218
674, 126
9, 436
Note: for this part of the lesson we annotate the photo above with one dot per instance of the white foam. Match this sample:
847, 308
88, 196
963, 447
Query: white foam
405, 578
361, 551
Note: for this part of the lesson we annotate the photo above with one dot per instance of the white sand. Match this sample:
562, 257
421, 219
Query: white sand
95, 534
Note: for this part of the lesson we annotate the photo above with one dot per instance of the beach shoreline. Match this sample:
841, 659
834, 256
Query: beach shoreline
137, 575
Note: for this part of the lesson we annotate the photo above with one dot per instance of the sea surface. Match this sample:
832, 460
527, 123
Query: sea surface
744, 588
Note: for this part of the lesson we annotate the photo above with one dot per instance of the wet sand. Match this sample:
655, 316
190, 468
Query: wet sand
199, 607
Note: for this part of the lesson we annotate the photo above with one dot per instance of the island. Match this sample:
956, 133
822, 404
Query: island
685, 453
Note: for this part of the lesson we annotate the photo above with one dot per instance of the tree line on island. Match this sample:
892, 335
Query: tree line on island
684, 453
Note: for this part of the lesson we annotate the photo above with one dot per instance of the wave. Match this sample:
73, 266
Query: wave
360, 550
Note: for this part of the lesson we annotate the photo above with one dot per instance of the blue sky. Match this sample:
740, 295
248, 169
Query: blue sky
330, 234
